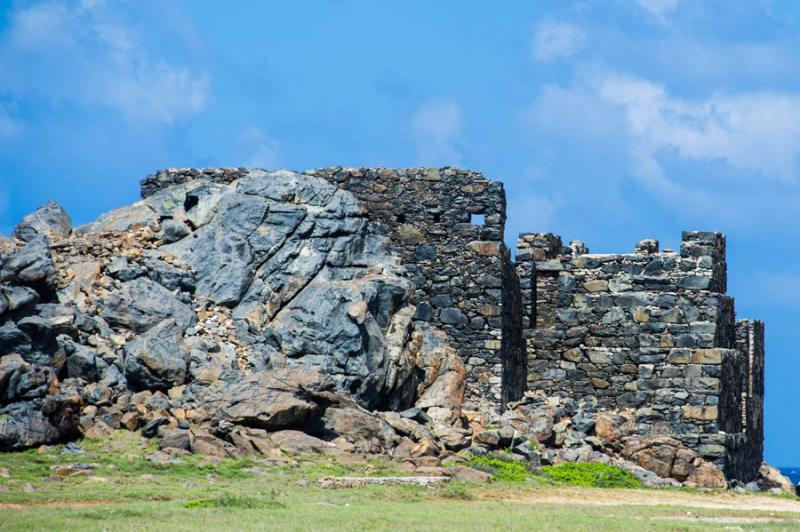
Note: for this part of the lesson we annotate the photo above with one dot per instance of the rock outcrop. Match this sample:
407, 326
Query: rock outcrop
265, 303
242, 312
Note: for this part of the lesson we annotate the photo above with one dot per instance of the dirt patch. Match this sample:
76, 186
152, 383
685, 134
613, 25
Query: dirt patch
599, 497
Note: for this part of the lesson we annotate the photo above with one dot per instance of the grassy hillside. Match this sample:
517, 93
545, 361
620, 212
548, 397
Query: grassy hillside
128, 492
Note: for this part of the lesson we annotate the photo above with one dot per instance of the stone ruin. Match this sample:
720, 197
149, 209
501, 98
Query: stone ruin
640, 353
652, 332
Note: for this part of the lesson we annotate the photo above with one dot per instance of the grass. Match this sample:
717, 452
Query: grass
129, 492
233, 501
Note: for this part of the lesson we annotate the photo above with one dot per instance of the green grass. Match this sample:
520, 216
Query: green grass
130, 493
232, 501
591, 474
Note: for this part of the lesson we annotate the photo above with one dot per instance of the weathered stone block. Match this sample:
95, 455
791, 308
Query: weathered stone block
707, 356
700, 413
484, 248
597, 285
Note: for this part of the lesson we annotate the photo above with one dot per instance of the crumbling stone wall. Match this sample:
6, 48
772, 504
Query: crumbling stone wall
650, 331
750, 345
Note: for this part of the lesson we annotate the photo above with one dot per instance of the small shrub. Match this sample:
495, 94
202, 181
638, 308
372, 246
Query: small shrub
500, 467
230, 501
591, 474
454, 490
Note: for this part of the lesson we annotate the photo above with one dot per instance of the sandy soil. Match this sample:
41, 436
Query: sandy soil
606, 497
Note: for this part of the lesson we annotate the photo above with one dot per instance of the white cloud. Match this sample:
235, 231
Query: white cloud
257, 149
658, 9
85, 53
436, 127
553, 40
755, 131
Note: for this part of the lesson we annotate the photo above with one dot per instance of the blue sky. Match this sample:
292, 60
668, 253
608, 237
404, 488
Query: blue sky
609, 121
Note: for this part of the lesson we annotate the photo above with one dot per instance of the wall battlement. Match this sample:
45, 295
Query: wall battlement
650, 332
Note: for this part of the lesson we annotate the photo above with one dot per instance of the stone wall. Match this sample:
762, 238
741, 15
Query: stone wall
750, 344
652, 332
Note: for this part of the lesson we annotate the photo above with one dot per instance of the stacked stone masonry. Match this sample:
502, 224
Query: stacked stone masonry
650, 333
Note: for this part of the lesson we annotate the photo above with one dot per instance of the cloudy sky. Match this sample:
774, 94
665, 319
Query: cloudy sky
609, 121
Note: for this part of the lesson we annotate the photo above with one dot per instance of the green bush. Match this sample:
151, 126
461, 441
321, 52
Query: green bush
454, 490
230, 501
501, 468
591, 474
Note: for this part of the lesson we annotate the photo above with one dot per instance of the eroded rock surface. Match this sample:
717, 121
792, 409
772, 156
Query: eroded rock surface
265, 303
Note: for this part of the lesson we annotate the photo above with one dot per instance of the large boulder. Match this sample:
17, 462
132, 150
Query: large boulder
366, 431
46, 420
770, 478
31, 265
157, 359
142, 303
50, 221
279, 399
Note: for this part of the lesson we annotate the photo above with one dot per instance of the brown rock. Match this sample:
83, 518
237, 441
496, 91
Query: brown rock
596, 286
99, 430
542, 420
771, 477
490, 438
72, 470
131, 420
701, 413
707, 475
406, 467
296, 442
469, 474
484, 248
366, 431
430, 471
707, 356
453, 438
641, 315
410, 235
611, 427
426, 447
206, 444
574, 355
683, 467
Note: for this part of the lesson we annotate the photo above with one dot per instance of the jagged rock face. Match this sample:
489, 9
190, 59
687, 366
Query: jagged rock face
242, 290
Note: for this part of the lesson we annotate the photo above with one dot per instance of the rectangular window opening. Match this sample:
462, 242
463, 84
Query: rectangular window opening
477, 219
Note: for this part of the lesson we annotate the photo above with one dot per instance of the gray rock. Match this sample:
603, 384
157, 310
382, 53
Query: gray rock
173, 230
31, 423
452, 316
173, 438
151, 428
366, 431
50, 221
142, 303
296, 442
33, 263
272, 401
157, 359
